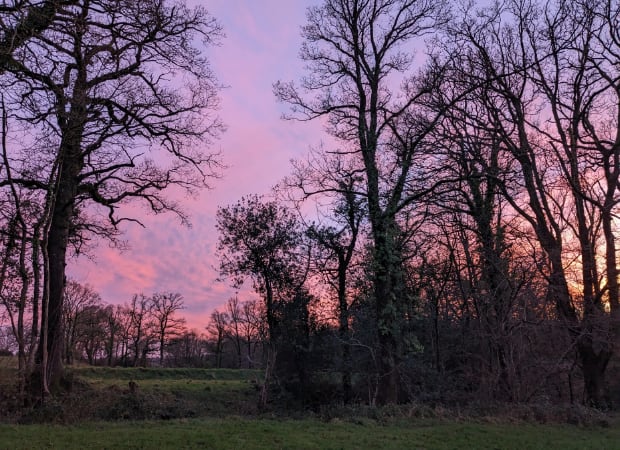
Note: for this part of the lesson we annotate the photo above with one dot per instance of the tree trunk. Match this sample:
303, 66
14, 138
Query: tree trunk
269, 368
388, 287
343, 330
593, 368
70, 164
161, 348
58, 238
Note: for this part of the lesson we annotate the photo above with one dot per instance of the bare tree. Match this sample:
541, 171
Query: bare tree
100, 77
165, 306
235, 313
78, 299
217, 331
254, 330
140, 327
188, 349
336, 248
354, 50
544, 75
27, 19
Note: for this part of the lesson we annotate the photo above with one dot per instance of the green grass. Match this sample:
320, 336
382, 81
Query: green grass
305, 434
164, 393
142, 373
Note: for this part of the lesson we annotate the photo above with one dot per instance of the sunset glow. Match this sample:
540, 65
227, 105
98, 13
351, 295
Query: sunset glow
261, 46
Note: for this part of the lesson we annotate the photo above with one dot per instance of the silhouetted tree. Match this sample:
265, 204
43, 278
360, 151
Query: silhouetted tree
164, 309
541, 75
354, 49
108, 96
259, 240
140, 327
216, 330
77, 308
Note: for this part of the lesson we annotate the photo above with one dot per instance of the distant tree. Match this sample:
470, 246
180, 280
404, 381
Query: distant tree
254, 328
216, 330
114, 329
140, 327
164, 309
92, 332
188, 349
77, 312
235, 326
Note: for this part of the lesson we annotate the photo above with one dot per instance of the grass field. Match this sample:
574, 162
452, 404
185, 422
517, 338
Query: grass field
200, 408
235, 433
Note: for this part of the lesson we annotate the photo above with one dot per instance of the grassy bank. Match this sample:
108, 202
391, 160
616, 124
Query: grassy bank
206, 408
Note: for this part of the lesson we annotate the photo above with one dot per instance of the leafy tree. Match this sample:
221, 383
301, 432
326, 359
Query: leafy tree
260, 240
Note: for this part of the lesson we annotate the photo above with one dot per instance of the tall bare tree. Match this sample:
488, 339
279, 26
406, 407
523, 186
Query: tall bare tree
355, 50
107, 81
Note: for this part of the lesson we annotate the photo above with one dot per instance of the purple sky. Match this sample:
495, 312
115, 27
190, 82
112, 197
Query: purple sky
261, 46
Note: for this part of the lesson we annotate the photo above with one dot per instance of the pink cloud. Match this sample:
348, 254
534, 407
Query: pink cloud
261, 47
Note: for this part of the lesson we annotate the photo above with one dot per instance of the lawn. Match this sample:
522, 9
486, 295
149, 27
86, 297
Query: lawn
236, 433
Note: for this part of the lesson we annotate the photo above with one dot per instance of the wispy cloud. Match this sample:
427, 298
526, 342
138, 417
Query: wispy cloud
261, 47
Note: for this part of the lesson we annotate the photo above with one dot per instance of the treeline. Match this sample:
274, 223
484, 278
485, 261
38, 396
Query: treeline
464, 245
151, 331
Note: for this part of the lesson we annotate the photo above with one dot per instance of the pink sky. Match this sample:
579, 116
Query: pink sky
261, 46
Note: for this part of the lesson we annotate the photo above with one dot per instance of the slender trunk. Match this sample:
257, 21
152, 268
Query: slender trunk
343, 330
25, 283
111, 348
269, 368
271, 316
161, 349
